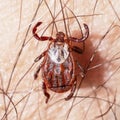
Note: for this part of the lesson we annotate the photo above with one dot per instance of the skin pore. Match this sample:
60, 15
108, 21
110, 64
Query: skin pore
98, 93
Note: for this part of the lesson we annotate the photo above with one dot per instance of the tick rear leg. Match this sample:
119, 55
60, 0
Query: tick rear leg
72, 91
82, 73
45, 92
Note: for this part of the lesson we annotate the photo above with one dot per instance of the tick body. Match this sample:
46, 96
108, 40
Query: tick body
58, 73
58, 66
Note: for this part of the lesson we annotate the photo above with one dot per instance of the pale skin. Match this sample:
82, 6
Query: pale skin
99, 92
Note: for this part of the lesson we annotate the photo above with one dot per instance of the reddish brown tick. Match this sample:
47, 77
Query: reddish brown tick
58, 66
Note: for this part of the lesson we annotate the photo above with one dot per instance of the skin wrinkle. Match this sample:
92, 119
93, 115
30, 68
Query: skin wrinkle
28, 98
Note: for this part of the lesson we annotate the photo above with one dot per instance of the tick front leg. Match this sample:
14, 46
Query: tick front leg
45, 92
72, 90
41, 38
84, 37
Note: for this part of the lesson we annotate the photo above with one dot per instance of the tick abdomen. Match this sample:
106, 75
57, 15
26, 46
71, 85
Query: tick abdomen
58, 77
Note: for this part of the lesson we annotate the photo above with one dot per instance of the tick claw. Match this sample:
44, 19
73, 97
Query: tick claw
39, 23
35, 76
86, 27
69, 97
82, 74
47, 99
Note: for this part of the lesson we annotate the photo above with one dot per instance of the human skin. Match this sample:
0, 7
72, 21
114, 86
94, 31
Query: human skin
99, 93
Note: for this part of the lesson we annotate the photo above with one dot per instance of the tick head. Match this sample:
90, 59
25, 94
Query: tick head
60, 37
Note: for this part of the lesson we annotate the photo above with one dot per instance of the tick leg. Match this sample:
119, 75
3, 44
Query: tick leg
72, 91
36, 73
45, 92
41, 38
38, 70
77, 49
82, 73
39, 67
84, 37
40, 56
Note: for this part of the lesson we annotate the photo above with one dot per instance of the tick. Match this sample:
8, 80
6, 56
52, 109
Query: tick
58, 66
